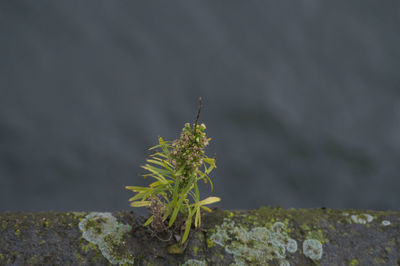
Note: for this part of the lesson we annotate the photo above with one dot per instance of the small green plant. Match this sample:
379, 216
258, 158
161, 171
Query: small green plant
177, 166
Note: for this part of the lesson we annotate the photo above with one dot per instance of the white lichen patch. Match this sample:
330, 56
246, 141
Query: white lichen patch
193, 262
284, 263
257, 246
103, 230
291, 245
312, 249
362, 218
386, 223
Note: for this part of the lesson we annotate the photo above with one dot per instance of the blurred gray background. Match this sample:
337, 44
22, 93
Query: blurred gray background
301, 98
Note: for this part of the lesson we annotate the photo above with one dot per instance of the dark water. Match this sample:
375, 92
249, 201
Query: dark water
301, 98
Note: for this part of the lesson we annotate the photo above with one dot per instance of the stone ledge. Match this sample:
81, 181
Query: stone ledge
267, 236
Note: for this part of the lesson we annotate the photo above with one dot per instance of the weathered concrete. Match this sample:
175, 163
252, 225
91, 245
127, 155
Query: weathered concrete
267, 236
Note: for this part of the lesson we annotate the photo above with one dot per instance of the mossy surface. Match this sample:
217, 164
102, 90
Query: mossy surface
103, 229
42, 239
226, 237
258, 245
323, 236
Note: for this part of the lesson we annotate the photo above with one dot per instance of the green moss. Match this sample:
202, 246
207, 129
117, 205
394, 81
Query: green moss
78, 256
305, 227
317, 234
78, 215
86, 248
103, 231
175, 249
17, 232
331, 227
195, 250
380, 261
4, 225
353, 262
210, 243
33, 260
2, 257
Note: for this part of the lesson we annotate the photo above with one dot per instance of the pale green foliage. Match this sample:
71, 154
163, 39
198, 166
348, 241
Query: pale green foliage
177, 167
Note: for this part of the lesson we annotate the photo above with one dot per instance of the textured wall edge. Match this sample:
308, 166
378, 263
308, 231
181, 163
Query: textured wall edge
264, 236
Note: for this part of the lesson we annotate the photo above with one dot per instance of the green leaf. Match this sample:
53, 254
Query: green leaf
197, 193
209, 200
155, 184
177, 208
140, 203
137, 196
161, 162
137, 189
179, 172
209, 169
156, 162
163, 145
187, 228
197, 218
211, 183
206, 208
148, 221
156, 170
210, 161
167, 212
155, 147
168, 166
156, 173
158, 177
162, 141
205, 177
175, 191
154, 157
160, 154
193, 195
158, 183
